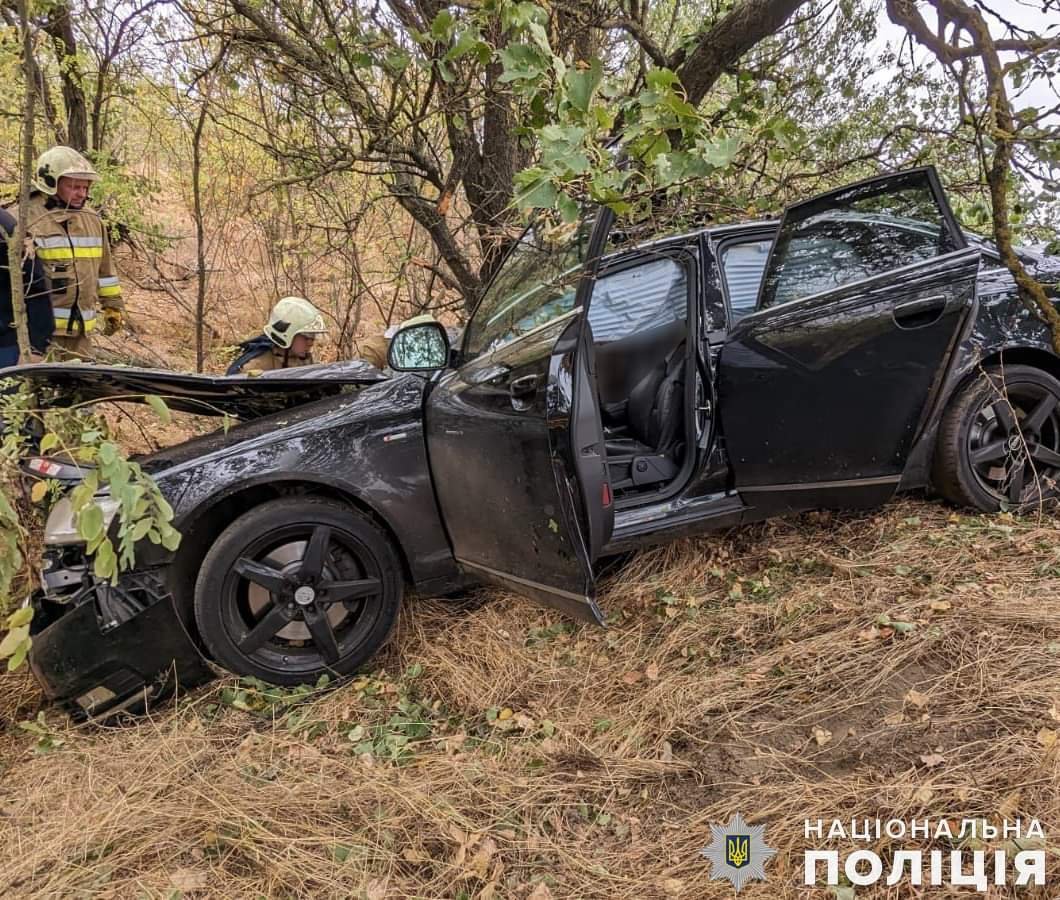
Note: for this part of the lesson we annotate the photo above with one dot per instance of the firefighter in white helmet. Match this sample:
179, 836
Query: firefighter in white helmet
288, 339
70, 240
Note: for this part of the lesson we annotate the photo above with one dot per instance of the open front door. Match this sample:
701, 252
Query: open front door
514, 434
824, 388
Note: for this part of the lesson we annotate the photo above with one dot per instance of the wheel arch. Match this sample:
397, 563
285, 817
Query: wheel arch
201, 527
918, 471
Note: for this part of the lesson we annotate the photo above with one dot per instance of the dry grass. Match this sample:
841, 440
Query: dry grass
622, 745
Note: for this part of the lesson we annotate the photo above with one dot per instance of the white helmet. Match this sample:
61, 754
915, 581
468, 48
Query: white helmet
292, 316
61, 162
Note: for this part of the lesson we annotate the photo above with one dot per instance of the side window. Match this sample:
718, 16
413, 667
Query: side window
637, 299
743, 265
854, 234
537, 283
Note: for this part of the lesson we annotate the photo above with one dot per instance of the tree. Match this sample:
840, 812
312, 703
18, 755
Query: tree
961, 35
428, 98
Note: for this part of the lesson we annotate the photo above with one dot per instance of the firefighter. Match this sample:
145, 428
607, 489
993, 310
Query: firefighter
373, 348
288, 339
70, 240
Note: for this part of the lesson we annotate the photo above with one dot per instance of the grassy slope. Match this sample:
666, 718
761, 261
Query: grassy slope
741, 673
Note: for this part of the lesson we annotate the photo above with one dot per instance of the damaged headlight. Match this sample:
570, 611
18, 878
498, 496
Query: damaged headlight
61, 527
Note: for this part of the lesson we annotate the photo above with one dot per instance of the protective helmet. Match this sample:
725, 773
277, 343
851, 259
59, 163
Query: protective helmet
292, 316
60, 162
415, 320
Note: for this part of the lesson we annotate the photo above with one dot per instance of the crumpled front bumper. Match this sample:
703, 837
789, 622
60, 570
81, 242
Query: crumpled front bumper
100, 649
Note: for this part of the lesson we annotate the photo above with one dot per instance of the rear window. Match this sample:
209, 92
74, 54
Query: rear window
743, 266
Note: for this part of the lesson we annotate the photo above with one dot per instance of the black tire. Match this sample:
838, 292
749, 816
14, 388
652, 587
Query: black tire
295, 589
999, 443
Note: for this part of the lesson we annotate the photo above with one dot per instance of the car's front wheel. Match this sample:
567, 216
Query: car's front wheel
999, 443
297, 588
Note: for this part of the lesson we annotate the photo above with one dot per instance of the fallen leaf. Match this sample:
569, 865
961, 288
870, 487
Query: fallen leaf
932, 759
414, 856
188, 880
631, 677
916, 698
505, 714
541, 892
822, 736
673, 886
869, 634
941, 605
1047, 737
1054, 713
1008, 806
895, 718
480, 862
652, 672
375, 889
923, 795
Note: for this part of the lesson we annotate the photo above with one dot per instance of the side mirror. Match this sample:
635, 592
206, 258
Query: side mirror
423, 347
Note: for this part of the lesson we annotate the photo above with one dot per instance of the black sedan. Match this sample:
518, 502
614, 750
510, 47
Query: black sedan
601, 397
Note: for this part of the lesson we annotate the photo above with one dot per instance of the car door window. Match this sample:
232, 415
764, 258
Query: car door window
637, 299
537, 283
743, 265
855, 234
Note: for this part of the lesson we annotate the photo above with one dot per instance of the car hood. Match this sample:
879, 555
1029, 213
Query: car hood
242, 396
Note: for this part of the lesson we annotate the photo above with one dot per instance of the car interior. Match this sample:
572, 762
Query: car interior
639, 321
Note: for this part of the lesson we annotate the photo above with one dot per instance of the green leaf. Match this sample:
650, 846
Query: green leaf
90, 522
568, 208
397, 61
108, 453
581, 84
661, 79
19, 656
539, 193
13, 640
442, 26
170, 537
467, 40
20, 617
105, 565
48, 441
159, 406
140, 529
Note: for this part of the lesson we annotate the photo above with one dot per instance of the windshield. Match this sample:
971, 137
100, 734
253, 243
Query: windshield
537, 283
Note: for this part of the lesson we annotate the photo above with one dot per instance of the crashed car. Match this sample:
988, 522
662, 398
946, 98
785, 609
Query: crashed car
602, 397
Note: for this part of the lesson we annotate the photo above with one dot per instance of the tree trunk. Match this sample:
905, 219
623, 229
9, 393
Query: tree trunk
60, 28
15, 245
200, 235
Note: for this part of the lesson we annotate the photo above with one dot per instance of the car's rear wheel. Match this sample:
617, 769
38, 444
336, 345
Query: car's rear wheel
297, 588
999, 443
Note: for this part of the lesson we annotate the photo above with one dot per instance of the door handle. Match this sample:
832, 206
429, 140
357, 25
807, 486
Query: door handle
524, 387
919, 312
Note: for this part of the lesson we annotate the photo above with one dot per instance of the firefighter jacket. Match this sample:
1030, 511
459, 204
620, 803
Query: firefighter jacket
261, 355
74, 251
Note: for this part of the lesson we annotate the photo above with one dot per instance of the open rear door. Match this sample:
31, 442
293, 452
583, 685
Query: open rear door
824, 388
514, 434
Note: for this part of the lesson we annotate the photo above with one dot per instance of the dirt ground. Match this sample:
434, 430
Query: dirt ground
895, 665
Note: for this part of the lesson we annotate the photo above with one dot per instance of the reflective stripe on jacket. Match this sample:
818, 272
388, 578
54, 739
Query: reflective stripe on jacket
74, 251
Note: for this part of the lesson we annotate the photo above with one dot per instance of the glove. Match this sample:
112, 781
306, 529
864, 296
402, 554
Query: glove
112, 321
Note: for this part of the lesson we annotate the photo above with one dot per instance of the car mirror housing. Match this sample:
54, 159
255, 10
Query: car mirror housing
422, 347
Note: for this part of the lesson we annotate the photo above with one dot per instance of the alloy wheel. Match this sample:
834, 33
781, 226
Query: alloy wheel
1014, 444
300, 597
